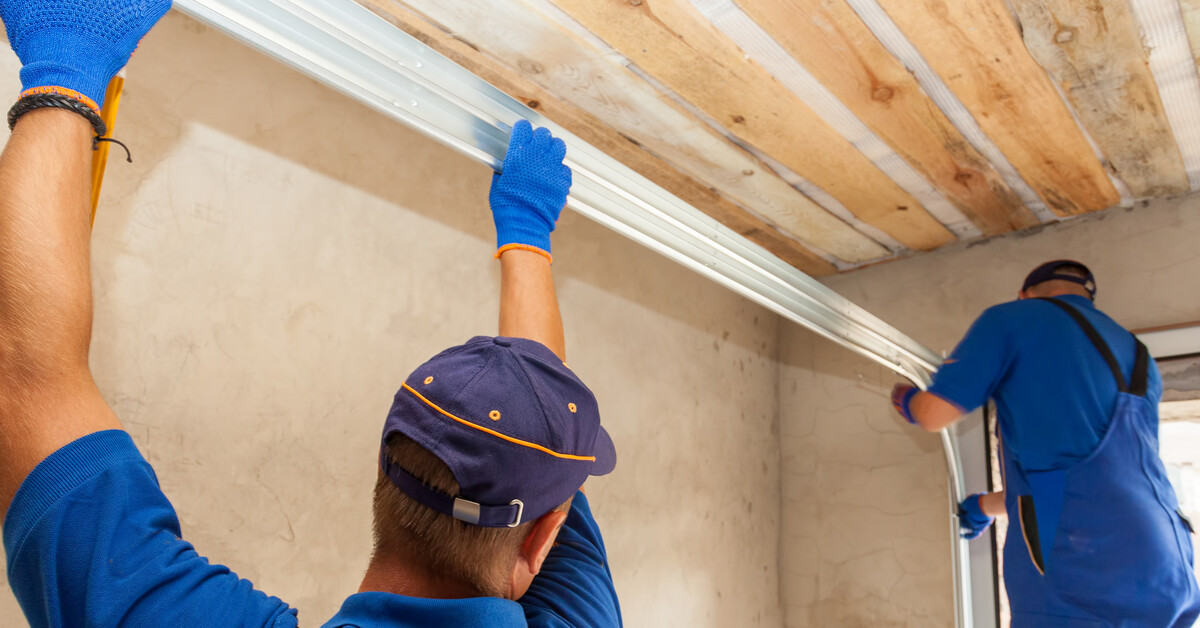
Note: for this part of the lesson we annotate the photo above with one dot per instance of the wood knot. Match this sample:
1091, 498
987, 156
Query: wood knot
636, 3
738, 119
533, 104
902, 208
747, 172
1064, 35
883, 93
530, 66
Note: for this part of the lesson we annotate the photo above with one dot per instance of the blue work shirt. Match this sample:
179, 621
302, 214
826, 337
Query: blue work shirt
1054, 393
92, 541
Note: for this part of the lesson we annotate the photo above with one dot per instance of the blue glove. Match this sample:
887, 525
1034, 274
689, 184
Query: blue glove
529, 195
971, 518
902, 395
75, 47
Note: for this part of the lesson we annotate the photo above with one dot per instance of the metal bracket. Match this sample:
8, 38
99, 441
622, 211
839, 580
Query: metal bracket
343, 45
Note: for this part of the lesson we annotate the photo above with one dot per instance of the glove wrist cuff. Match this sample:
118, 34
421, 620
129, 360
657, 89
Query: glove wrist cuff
85, 79
513, 232
905, 403
54, 99
524, 247
55, 90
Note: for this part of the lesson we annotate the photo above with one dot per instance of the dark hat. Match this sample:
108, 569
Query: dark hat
1049, 271
519, 431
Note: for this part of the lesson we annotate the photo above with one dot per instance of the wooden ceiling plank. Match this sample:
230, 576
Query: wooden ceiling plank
594, 131
1093, 48
585, 77
835, 46
975, 46
671, 42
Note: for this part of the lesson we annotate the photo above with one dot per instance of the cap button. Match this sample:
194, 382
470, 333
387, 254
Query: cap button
503, 342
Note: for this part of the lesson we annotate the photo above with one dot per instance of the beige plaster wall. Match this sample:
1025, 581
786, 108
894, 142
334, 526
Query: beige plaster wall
278, 258
865, 541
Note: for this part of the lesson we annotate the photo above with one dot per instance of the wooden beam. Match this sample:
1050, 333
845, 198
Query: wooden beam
1093, 48
670, 41
835, 46
594, 87
607, 139
975, 46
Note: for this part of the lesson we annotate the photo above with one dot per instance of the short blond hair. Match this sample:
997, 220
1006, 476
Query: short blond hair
476, 556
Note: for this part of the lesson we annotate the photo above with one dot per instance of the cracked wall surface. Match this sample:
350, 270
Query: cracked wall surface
278, 258
864, 535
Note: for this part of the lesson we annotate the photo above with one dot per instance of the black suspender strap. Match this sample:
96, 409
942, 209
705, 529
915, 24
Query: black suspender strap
1141, 371
1141, 364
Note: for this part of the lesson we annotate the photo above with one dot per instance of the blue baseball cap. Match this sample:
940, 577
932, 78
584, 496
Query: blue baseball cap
519, 431
1049, 271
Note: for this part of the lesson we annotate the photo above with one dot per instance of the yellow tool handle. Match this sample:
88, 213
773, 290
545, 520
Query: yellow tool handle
112, 101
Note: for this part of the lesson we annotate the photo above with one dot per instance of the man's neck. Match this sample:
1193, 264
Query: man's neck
399, 576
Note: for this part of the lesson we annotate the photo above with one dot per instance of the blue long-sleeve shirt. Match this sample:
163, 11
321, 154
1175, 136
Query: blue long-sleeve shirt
1054, 393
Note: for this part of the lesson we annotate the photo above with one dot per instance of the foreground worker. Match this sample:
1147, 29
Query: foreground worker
478, 518
1100, 540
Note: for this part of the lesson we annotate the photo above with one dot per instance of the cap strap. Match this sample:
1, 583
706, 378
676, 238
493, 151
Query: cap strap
457, 507
1083, 281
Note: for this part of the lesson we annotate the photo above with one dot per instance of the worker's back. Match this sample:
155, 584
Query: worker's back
1097, 538
1053, 390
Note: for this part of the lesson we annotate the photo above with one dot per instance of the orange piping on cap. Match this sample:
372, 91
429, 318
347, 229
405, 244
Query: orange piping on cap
498, 434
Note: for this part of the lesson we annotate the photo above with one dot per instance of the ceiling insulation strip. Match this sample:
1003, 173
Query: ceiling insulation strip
806, 187
763, 49
894, 40
814, 192
830, 204
345, 46
817, 195
1175, 73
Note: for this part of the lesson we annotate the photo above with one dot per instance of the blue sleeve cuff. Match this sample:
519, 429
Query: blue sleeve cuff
59, 474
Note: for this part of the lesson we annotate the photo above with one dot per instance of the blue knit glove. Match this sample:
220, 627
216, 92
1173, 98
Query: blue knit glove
75, 47
971, 518
530, 193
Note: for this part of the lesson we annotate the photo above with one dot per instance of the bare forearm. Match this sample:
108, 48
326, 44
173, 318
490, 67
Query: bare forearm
45, 285
47, 396
992, 504
528, 303
932, 412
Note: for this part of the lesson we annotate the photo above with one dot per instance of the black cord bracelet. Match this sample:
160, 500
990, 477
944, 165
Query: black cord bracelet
58, 101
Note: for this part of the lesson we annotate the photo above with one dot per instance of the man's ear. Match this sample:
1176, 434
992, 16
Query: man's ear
541, 538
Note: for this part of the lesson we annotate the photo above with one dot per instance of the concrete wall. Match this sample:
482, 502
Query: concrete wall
865, 541
276, 261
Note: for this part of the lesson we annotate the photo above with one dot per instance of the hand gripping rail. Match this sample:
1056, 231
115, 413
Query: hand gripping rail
344, 45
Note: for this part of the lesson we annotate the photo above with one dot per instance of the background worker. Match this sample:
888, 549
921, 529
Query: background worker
1098, 539
477, 517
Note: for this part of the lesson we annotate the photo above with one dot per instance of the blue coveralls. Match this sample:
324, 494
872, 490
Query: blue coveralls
1101, 542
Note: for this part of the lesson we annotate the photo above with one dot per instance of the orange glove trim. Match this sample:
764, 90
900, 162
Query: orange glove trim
524, 247
62, 91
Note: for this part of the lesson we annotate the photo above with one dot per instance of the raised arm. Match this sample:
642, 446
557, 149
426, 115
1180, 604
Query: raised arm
47, 396
526, 199
528, 304
966, 380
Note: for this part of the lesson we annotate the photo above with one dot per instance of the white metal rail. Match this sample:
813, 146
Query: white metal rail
345, 46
